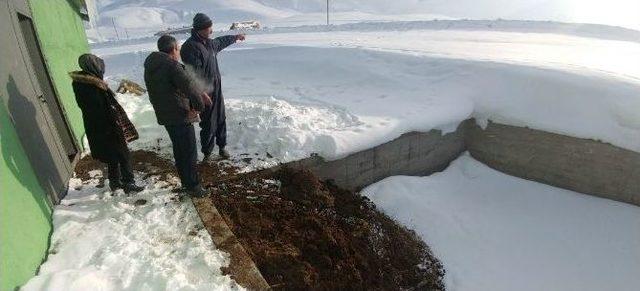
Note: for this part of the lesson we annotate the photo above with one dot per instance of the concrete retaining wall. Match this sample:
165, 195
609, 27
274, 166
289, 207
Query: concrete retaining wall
415, 154
581, 165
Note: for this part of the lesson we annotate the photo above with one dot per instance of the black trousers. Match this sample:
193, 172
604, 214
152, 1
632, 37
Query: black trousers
213, 126
185, 153
119, 168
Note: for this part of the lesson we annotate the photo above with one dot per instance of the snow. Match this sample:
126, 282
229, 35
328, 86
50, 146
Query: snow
335, 93
296, 91
142, 18
340, 107
285, 129
378, 96
102, 241
394, 93
350, 17
497, 232
470, 42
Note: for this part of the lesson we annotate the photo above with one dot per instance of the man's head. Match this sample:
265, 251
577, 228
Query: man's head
203, 25
168, 44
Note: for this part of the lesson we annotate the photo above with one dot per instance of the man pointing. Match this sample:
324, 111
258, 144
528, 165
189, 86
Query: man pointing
200, 53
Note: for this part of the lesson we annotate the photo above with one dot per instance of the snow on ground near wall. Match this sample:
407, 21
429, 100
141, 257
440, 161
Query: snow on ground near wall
334, 98
349, 101
268, 129
103, 241
497, 232
549, 50
394, 93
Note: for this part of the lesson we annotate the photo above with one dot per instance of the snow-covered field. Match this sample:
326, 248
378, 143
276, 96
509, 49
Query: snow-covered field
124, 19
335, 93
497, 232
102, 240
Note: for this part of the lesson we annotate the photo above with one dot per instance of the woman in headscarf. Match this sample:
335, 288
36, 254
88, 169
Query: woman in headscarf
106, 124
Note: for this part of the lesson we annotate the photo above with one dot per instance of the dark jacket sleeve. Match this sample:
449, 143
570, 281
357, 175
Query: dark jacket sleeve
222, 42
190, 55
184, 83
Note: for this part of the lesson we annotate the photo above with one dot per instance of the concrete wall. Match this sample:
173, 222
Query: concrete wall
415, 153
581, 165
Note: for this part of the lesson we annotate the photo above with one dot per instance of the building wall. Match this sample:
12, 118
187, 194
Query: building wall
62, 39
25, 214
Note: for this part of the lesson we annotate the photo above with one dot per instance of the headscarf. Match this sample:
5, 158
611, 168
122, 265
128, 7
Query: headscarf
92, 64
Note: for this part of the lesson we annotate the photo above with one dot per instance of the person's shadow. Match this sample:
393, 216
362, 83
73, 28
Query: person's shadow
26, 152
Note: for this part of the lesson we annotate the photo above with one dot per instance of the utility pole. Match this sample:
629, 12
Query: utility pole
327, 12
114, 28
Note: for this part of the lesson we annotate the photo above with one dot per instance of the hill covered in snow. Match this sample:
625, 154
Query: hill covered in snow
119, 19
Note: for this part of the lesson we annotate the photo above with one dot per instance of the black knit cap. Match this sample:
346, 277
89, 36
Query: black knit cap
201, 21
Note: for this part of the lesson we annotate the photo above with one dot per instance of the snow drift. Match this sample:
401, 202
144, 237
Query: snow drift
292, 101
497, 232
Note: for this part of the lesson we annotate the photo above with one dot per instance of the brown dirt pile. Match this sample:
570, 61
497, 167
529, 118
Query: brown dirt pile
308, 234
305, 234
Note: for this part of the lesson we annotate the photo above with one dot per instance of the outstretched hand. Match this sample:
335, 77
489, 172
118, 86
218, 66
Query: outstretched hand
240, 37
206, 100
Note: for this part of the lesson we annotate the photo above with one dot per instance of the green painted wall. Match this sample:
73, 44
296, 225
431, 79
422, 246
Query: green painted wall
62, 39
25, 214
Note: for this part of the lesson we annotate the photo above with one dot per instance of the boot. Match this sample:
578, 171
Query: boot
207, 158
223, 153
132, 187
115, 186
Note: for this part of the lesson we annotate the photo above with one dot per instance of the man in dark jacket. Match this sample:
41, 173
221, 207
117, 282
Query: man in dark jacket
200, 53
176, 101
106, 124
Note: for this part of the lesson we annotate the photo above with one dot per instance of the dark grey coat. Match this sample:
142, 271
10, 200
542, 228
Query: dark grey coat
202, 55
172, 91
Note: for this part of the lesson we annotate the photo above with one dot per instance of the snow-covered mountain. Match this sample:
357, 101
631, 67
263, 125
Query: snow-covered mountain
131, 18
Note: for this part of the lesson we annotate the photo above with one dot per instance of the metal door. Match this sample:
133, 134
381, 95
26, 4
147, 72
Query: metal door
55, 109
27, 105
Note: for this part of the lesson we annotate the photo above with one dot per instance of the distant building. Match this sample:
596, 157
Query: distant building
41, 125
245, 25
180, 30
